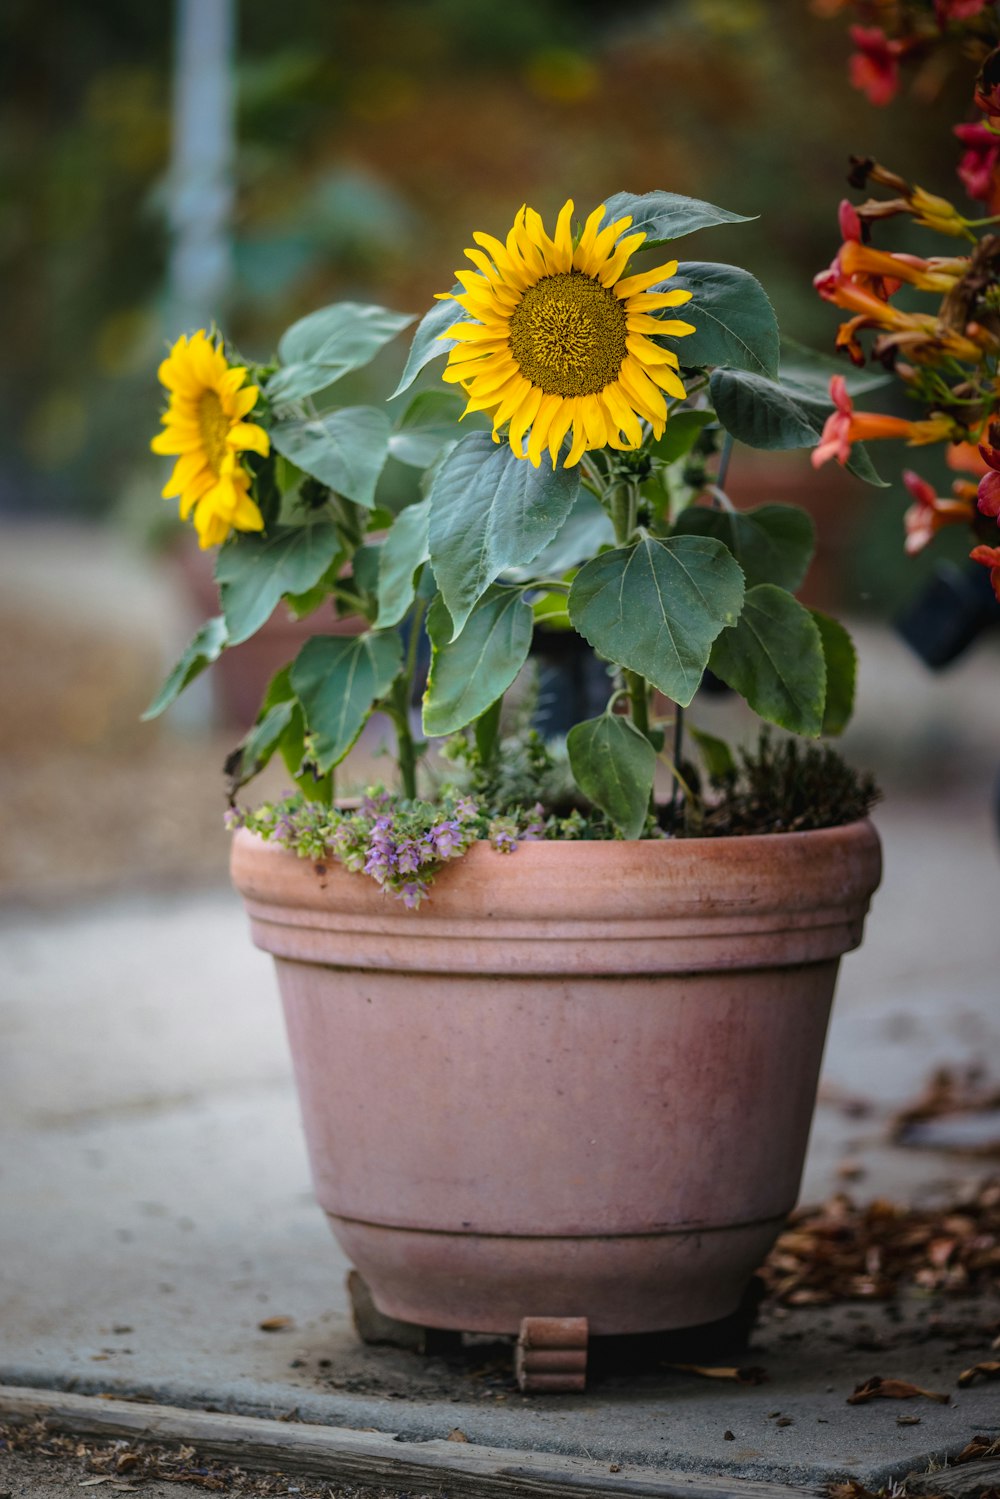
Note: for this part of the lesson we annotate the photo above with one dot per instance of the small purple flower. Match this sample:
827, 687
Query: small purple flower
408, 857
536, 827
503, 835
466, 809
447, 839
412, 893
233, 818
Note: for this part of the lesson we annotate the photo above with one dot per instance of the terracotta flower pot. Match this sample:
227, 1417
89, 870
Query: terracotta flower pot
579, 1081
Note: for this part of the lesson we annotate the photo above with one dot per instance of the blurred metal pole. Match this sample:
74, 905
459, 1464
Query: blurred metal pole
202, 158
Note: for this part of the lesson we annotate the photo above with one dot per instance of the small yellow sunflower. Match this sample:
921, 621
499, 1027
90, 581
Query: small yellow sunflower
204, 429
559, 342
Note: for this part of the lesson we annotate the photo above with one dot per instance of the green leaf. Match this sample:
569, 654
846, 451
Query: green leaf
805, 367
614, 765
207, 646
680, 435
491, 511
841, 672
765, 414
468, 674
487, 732
427, 425
404, 550
585, 530
292, 745
255, 750
318, 349
663, 216
345, 449
734, 321
338, 680
772, 544
253, 572
427, 340
716, 755
773, 658
656, 608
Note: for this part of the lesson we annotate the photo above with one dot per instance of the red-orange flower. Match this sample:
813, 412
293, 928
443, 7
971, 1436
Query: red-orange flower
988, 493
978, 166
874, 67
930, 513
845, 426
989, 557
957, 10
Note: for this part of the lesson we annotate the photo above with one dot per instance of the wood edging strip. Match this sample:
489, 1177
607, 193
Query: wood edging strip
375, 1459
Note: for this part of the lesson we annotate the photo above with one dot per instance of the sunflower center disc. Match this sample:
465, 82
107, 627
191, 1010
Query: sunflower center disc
214, 425
567, 335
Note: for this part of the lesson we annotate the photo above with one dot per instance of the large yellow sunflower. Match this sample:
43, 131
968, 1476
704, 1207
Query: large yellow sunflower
559, 342
204, 429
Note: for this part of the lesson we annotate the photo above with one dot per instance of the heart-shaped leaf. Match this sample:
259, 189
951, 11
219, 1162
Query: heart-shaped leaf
253, 572
614, 765
656, 608
663, 216
772, 544
338, 680
428, 424
318, 349
734, 322
773, 657
468, 674
490, 511
776, 415
427, 340
403, 551
841, 672
207, 646
345, 449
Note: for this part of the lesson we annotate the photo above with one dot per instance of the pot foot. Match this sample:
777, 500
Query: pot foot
551, 1355
376, 1329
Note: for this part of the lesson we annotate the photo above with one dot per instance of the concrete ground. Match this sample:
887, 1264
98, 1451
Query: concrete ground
155, 1206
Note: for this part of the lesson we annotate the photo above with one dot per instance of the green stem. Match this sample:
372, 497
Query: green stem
638, 696
399, 711
398, 706
678, 786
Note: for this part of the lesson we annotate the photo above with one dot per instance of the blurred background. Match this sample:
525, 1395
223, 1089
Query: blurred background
162, 166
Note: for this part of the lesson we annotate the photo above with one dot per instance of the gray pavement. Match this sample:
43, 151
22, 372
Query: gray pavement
156, 1206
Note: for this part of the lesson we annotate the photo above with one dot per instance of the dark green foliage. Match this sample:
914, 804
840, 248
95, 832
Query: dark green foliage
780, 786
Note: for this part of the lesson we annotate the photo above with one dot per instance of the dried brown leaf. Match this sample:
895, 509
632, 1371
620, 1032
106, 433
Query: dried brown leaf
978, 1448
990, 1369
457, 1436
878, 1388
276, 1324
749, 1375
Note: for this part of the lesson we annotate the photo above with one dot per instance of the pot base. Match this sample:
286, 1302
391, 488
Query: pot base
625, 1283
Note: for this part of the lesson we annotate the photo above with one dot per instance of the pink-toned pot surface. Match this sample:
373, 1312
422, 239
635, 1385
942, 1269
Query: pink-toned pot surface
579, 1081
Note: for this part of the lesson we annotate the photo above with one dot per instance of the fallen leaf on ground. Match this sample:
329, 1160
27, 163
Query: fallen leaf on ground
275, 1324
988, 1370
457, 1436
907, 1420
845, 1252
91, 1483
978, 1448
751, 1375
878, 1388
